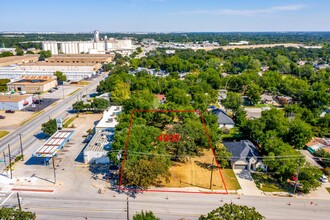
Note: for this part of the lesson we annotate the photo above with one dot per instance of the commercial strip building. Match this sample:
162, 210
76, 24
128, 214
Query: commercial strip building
50, 148
97, 149
33, 84
5, 61
14, 102
63, 67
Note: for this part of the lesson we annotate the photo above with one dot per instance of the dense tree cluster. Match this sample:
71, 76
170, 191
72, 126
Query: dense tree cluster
233, 212
10, 213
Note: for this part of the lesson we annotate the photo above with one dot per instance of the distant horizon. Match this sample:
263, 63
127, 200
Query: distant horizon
150, 32
165, 16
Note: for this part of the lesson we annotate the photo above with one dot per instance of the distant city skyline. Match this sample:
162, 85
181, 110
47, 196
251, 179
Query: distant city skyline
164, 16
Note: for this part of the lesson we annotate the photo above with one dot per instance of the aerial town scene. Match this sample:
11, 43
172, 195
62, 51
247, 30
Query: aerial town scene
164, 109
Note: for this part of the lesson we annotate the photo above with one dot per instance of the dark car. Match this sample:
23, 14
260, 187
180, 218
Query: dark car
2, 117
9, 111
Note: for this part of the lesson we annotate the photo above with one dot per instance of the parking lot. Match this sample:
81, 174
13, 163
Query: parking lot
70, 169
13, 120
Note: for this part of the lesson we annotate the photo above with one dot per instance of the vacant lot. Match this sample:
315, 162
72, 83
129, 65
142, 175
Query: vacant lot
196, 173
13, 120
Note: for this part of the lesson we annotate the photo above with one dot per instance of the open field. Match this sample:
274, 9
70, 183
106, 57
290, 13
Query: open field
195, 173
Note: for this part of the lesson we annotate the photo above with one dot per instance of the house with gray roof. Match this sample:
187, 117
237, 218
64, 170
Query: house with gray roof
244, 155
224, 120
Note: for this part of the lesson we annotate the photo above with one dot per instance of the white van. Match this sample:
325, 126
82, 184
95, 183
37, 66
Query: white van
22, 92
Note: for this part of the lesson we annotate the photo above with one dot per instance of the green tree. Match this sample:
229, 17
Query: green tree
139, 50
233, 101
148, 215
253, 92
44, 54
100, 104
178, 96
299, 133
120, 92
10, 213
50, 127
19, 51
61, 77
3, 84
223, 156
78, 106
309, 178
233, 212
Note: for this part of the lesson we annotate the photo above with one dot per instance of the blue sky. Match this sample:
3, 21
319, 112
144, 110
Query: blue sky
164, 15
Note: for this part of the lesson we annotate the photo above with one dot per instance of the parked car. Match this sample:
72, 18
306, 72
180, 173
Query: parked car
2, 117
51, 90
9, 111
22, 92
324, 179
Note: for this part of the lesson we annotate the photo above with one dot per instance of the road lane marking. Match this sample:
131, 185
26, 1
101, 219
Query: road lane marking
6, 199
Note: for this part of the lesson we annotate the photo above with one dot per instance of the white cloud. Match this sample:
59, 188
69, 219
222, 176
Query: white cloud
245, 12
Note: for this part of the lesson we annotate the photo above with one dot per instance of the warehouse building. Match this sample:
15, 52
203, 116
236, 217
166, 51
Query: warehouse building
81, 58
97, 149
33, 84
14, 102
6, 61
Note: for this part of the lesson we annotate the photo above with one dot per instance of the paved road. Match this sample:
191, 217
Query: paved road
31, 128
166, 206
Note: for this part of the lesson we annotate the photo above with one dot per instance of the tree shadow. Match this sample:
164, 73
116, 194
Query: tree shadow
41, 178
207, 166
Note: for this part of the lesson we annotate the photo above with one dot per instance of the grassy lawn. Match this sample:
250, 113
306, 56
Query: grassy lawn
233, 134
230, 179
269, 184
328, 189
3, 133
195, 173
68, 121
83, 83
260, 105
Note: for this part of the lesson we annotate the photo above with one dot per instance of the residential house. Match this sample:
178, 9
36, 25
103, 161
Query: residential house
284, 100
319, 143
244, 155
224, 120
161, 98
268, 99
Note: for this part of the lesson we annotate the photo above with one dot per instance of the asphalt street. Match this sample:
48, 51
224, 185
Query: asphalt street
33, 127
164, 205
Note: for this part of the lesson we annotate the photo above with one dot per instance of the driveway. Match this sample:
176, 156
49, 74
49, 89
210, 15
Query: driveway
248, 186
310, 158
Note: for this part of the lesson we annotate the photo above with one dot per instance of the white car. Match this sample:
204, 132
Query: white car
324, 179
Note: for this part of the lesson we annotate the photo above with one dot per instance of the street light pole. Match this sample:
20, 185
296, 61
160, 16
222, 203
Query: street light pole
127, 206
54, 170
19, 202
20, 140
11, 172
211, 173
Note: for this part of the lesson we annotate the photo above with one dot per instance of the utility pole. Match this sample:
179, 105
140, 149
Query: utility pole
4, 158
11, 172
296, 182
54, 170
127, 208
19, 202
211, 173
20, 140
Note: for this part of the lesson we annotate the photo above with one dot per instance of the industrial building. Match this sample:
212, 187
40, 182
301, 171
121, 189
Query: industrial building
97, 149
50, 148
14, 102
81, 58
6, 61
33, 84
97, 46
63, 67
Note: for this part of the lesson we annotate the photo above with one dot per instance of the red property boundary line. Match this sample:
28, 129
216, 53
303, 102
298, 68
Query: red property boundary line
177, 191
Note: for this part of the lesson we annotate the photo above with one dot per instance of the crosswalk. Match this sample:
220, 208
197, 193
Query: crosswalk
4, 196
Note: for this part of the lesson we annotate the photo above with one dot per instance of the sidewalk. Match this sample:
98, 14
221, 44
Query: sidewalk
248, 186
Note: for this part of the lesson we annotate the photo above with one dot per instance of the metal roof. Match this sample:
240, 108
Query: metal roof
54, 143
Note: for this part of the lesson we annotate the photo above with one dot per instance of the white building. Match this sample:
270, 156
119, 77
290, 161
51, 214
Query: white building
92, 47
97, 149
14, 102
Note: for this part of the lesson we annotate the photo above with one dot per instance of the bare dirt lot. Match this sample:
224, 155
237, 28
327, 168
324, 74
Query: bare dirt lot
196, 173
13, 120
